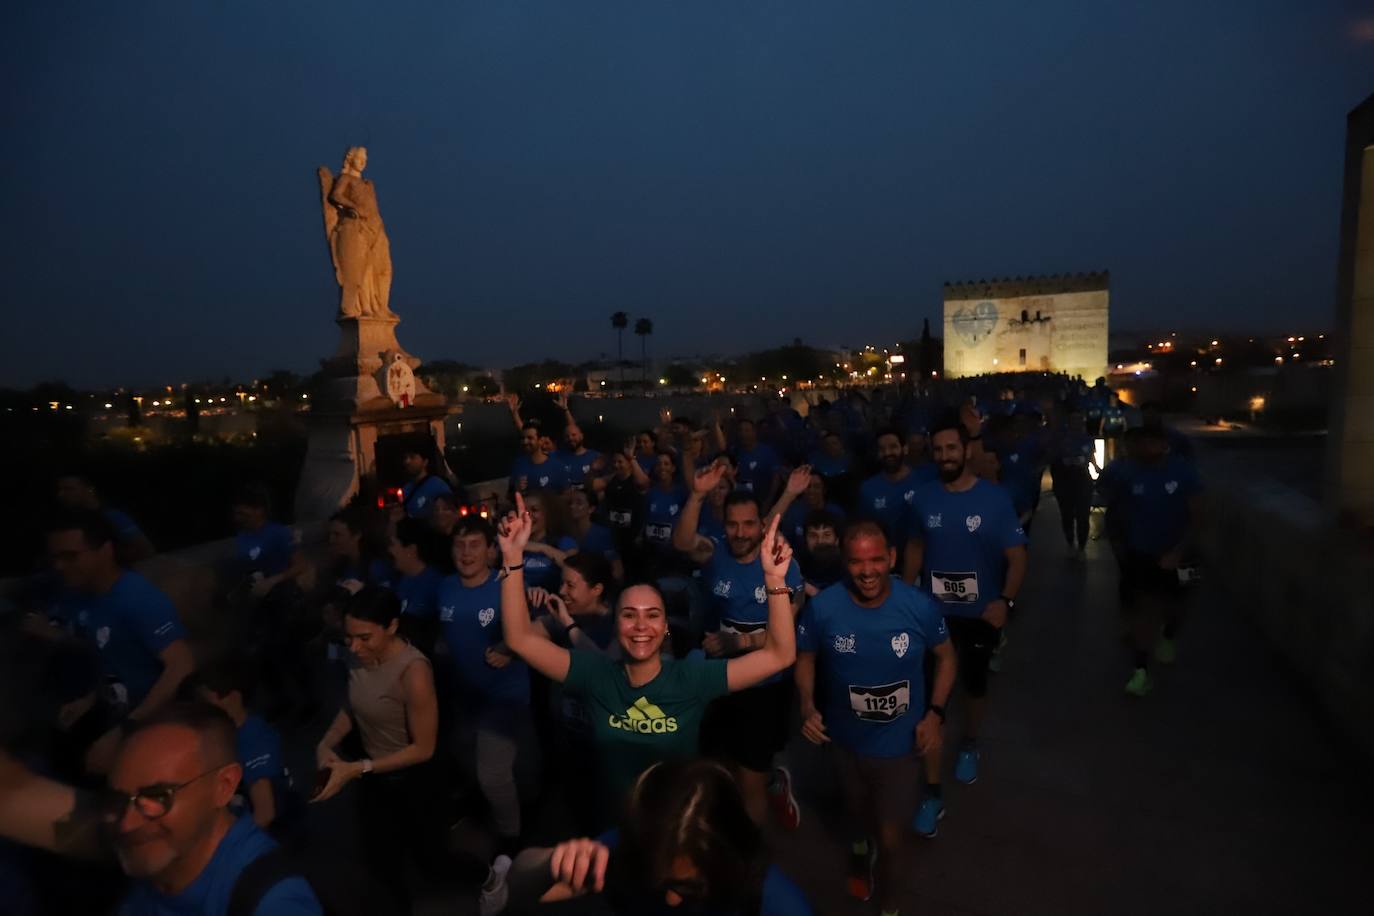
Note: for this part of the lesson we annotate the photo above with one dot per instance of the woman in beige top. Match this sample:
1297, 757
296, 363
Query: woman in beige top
391, 702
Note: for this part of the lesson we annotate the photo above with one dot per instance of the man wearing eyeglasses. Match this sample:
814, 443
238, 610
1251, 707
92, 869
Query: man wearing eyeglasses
167, 815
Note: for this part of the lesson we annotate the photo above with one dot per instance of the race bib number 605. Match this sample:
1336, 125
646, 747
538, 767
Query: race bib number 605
956, 588
882, 703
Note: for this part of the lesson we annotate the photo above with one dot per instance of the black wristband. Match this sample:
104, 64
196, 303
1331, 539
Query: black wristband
939, 711
572, 626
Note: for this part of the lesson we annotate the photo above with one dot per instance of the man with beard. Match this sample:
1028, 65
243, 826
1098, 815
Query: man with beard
886, 496
870, 635
577, 459
534, 468
749, 727
167, 812
969, 548
822, 564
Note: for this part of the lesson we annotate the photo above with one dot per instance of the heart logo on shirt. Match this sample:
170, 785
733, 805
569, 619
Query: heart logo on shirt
973, 521
420, 502
486, 615
253, 554
102, 636
900, 643
1170, 487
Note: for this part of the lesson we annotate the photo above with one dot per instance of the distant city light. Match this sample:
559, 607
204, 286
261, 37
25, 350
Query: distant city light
108, 406
1194, 389
1218, 360
305, 397
252, 397
1279, 360
603, 383
897, 359
663, 381
1216, 343
157, 403
465, 389
1193, 363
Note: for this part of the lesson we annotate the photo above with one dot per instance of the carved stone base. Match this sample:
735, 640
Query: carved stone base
342, 452
349, 412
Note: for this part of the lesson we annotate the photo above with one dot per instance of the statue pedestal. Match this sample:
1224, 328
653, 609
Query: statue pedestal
350, 412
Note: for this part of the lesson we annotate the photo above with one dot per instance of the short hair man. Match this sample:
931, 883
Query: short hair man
142, 646
168, 817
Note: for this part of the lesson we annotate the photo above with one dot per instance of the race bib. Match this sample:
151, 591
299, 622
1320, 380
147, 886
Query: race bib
880, 704
658, 532
620, 519
955, 587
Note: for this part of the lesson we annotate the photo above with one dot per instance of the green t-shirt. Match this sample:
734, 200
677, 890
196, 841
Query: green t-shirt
639, 726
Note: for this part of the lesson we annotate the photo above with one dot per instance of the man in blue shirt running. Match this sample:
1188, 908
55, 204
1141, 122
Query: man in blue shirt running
886, 496
869, 636
167, 810
749, 727
968, 548
1158, 497
142, 647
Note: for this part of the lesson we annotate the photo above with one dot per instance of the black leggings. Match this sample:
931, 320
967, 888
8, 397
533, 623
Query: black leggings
1075, 505
400, 815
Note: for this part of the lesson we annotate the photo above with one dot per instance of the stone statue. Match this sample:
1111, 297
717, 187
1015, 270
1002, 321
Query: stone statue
357, 240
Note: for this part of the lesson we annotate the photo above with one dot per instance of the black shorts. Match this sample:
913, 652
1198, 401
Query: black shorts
749, 728
1141, 576
974, 640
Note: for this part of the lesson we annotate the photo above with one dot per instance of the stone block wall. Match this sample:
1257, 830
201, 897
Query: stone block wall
1307, 585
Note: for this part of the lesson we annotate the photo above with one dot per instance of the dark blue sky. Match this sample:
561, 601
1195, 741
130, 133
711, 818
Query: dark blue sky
740, 172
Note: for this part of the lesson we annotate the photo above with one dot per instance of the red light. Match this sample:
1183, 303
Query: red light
463, 510
381, 502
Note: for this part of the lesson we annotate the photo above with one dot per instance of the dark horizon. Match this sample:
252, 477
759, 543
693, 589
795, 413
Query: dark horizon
771, 170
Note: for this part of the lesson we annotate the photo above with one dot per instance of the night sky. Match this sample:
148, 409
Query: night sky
741, 171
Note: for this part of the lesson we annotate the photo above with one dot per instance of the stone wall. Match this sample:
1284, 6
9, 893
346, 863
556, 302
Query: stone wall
1307, 584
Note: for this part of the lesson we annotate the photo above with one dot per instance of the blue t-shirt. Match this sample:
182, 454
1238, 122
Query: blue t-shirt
710, 525
418, 497
209, 894
267, 550
577, 467
471, 622
378, 572
738, 601
661, 509
419, 593
780, 897
757, 468
259, 752
888, 502
1021, 471
598, 539
125, 528
130, 625
1153, 501
966, 536
551, 474
873, 689
1075, 451
542, 571
828, 465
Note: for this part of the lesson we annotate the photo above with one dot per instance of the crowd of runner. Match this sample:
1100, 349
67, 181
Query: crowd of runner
623, 649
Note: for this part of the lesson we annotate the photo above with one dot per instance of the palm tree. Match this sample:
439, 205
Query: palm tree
644, 327
620, 321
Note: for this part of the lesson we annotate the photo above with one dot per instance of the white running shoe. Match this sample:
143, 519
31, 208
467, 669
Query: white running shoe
495, 893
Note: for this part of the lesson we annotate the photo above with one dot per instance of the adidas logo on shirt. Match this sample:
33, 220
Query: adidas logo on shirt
645, 718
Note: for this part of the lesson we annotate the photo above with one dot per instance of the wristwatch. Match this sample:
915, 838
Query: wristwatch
367, 765
939, 711
1011, 602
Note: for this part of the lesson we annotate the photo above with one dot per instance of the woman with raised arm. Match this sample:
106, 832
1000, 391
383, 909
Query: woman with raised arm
644, 708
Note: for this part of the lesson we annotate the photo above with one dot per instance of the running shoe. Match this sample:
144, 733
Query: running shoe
861, 868
784, 802
495, 893
928, 817
1140, 684
1166, 653
966, 766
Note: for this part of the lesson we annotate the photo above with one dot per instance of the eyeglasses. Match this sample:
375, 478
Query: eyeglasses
152, 802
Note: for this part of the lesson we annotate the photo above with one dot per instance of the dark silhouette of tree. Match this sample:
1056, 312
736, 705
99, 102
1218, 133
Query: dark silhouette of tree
644, 327
620, 321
